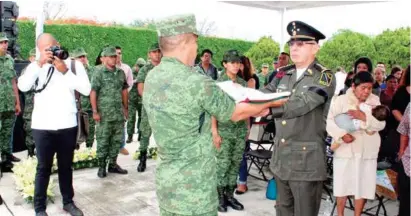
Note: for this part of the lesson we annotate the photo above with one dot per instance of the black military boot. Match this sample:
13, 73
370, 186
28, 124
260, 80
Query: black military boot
231, 201
129, 139
113, 167
12, 158
6, 163
222, 199
30, 151
142, 165
102, 168
1, 200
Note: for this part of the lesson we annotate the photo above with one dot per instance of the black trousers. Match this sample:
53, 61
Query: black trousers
404, 192
61, 142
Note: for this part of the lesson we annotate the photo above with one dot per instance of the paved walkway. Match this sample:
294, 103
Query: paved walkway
134, 194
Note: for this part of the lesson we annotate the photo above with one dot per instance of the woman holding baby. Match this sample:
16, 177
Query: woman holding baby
356, 141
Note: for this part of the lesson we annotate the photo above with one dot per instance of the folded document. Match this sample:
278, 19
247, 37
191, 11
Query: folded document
243, 94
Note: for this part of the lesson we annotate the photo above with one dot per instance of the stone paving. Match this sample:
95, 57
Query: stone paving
134, 194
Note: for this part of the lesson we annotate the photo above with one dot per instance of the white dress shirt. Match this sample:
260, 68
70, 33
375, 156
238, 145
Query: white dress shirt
129, 75
340, 80
55, 107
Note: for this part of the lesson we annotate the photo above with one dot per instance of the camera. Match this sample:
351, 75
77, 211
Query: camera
58, 52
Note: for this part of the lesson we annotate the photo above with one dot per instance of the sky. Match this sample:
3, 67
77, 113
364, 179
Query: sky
239, 22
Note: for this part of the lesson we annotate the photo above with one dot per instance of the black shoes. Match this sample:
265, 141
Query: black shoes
72, 209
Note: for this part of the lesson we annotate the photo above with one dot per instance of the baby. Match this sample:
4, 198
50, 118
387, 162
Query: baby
344, 121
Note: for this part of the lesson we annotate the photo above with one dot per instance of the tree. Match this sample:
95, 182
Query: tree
263, 51
54, 10
393, 47
206, 27
344, 47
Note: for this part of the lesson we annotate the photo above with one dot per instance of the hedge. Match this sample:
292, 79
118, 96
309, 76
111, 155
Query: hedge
134, 42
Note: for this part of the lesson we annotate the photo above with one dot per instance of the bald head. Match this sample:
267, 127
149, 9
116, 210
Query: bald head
45, 40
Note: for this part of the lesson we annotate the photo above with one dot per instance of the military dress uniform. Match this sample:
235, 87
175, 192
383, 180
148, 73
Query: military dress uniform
7, 104
108, 86
134, 105
299, 159
145, 129
85, 100
175, 95
230, 154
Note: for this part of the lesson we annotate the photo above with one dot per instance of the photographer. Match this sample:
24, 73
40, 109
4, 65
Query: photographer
54, 121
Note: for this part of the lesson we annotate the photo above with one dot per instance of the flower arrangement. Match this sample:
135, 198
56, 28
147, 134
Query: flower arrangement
151, 153
25, 172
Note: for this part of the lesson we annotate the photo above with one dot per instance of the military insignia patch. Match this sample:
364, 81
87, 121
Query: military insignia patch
326, 78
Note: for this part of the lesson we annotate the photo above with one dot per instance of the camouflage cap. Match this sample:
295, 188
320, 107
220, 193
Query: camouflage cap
3, 37
140, 61
78, 52
176, 25
109, 51
32, 52
154, 47
232, 56
265, 65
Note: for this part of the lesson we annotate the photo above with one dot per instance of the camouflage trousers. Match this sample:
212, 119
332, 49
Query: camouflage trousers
145, 131
27, 129
164, 212
134, 107
229, 156
109, 137
6, 130
92, 129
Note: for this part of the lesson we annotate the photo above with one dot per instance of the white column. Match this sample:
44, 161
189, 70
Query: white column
282, 42
39, 25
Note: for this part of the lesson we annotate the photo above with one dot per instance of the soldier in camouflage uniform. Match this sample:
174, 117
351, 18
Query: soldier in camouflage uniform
109, 102
174, 97
264, 75
80, 55
298, 160
134, 104
28, 110
145, 130
231, 137
9, 104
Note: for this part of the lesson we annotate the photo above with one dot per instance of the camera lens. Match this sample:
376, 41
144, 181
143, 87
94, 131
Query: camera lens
62, 54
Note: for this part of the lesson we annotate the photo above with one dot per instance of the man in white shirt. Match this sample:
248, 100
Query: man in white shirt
54, 121
129, 77
340, 76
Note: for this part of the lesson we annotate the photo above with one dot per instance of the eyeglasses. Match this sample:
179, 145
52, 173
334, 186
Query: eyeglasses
83, 56
299, 43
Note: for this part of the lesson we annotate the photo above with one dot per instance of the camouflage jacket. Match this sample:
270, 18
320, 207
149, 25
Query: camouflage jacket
85, 100
175, 96
109, 86
230, 126
142, 73
133, 94
7, 73
299, 144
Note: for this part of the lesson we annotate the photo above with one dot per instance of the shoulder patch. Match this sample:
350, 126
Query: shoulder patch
326, 77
